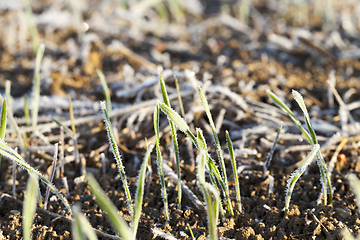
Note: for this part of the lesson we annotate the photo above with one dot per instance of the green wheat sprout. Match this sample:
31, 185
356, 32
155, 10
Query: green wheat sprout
114, 218
297, 174
111, 211
19, 133
32, 26
310, 136
117, 156
81, 227
219, 151
3, 122
191, 232
175, 141
36, 83
182, 112
207, 189
106, 90
29, 206
140, 192
233, 164
160, 162
211, 166
27, 111
180, 122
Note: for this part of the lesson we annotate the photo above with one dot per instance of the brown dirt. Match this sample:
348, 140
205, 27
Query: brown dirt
267, 67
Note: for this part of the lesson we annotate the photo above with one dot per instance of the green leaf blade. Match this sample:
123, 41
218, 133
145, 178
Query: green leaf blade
36, 83
3, 120
106, 90
111, 211
117, 156
29, 206
140, 192
296, 175
160, 161
219, 151
233, 164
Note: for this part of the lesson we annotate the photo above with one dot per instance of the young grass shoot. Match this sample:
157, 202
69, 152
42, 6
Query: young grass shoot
140, 192
81, 227
29, 206
160, 162
173, 134
311, 137
36, 83
117, 156
104, 202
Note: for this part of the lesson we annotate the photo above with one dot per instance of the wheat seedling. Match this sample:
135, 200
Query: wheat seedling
111, 211
79, 20
175, 142
297, 174
27, 111
76, 150
233, 164
29, 206
106, 90
211, 165
36, 84
182, 112
19, 133
160, 162
207, 189
3, 122
311, 137
140, 192
81, 226
117, 156
32, 26
219, 151
180, 122
191, 232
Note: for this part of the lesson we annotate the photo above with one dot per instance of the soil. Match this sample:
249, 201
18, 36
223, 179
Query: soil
209, 51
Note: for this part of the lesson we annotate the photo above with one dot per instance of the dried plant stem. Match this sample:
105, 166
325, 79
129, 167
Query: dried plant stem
15, 157
14, 178
115, 113
272, 150
51, 177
